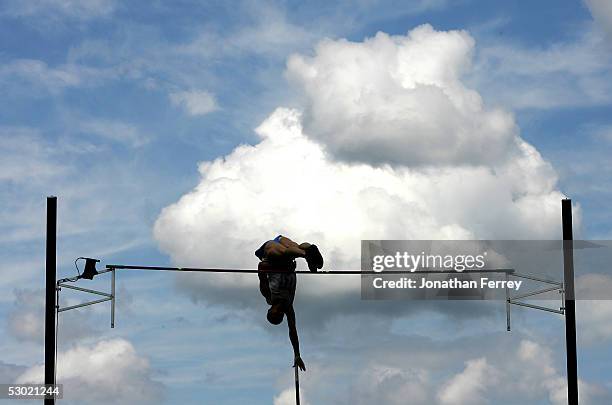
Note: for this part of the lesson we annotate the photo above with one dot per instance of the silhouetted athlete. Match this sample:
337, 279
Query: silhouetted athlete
277, 281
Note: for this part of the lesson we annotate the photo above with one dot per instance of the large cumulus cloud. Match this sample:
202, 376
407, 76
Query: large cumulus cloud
109, 371
389, 144
400, 100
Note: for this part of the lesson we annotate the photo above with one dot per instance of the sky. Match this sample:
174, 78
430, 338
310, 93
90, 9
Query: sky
187, 133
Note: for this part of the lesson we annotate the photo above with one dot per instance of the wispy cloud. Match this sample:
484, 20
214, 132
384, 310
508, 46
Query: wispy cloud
195, 102
601, 10
26, 156
59, 8
115, 131
266, 30
27, 77
564, 74
603, 132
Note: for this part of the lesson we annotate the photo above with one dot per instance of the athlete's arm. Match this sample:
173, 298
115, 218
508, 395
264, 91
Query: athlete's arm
293, 336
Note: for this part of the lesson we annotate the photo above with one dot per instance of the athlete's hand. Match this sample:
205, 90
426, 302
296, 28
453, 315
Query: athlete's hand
299, 363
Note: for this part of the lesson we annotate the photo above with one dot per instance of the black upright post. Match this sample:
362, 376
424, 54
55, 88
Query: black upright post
570, 303
50, 294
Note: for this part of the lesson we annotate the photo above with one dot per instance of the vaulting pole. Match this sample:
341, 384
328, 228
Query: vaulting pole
297, 385
50, 276
570, 303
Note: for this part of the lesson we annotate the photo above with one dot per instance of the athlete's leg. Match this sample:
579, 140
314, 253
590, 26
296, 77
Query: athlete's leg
289, 243
279, 251
288, 249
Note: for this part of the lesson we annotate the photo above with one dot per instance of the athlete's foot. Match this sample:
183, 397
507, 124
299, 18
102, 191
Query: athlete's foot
313, 258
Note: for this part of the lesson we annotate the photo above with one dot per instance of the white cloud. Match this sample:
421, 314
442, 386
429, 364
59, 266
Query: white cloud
497, 368
534, 372
287, 397
540, 372
391, 385
527, 373
288, 184
115, 131
26, 320
601, 10
400, 100
195, 102
109, 371
9, 372
469, 386
595, 321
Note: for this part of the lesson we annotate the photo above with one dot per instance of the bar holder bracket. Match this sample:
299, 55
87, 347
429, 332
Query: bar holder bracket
107, 296
517, 299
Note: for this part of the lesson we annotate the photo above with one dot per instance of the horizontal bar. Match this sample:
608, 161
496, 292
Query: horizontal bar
111, 267
538, 279
83, 305
524, 304
518, 297
85, 290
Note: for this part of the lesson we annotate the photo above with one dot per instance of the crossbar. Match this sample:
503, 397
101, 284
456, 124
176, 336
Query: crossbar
111, 267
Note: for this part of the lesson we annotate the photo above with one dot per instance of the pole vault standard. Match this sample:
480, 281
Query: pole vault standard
570, 303
50, 275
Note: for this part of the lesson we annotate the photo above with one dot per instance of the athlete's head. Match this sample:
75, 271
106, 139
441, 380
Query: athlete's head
275, 314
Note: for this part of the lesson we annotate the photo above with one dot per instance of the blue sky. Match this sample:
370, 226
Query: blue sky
116, 108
